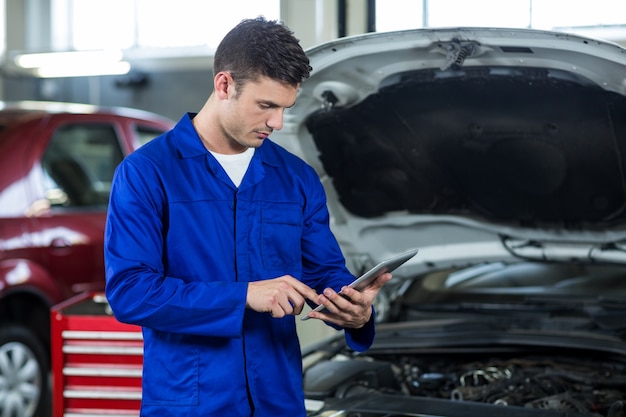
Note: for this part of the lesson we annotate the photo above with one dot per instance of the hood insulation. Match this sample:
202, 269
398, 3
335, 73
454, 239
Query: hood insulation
527, 146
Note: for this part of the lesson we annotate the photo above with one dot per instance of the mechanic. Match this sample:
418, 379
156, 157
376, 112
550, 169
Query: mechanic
216, 238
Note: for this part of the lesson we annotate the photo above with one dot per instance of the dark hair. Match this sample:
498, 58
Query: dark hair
258, 47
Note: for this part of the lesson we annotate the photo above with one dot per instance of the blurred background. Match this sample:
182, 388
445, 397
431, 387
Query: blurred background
156, 54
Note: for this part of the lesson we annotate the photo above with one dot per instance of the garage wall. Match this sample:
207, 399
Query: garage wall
167, 93
168, 87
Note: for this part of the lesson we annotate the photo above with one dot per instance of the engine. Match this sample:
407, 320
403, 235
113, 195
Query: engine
567, 384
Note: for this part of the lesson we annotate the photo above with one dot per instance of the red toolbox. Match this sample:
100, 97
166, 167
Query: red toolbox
96, 360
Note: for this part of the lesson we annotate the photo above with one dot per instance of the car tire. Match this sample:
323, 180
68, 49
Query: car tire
24, 373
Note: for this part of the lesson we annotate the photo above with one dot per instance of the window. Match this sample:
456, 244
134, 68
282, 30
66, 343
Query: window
399, 15
3, 41
510, 13
602, 18
123, 24
79, 163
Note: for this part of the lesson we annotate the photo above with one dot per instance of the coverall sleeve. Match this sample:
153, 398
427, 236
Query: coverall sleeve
323, 262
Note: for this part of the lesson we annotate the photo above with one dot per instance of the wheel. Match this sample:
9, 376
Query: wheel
24, 369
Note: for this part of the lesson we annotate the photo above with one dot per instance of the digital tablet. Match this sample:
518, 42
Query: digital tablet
388, 265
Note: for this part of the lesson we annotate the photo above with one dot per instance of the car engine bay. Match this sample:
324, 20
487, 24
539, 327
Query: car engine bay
583, 383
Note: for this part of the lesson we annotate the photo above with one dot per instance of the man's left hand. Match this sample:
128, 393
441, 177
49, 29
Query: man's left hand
350, 308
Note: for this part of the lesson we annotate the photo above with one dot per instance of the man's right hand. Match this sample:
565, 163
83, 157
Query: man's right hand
279, 296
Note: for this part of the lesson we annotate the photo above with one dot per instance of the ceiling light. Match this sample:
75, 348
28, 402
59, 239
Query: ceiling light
73, 64
83, 70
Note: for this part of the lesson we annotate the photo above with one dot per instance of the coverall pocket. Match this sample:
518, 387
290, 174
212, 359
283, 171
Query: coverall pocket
171, 377
281, 229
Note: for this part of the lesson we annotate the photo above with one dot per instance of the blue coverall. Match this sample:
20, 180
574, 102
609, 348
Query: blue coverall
182, 243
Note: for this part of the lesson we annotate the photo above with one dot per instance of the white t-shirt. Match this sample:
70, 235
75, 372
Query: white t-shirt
235, 165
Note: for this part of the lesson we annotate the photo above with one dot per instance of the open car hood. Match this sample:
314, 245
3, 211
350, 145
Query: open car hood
489, 143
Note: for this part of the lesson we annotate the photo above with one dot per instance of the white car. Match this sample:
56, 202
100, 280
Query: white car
500, 154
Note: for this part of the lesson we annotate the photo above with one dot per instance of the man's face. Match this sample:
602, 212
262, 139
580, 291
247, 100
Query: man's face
253, 111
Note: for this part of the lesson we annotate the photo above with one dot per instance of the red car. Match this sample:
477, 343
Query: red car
57, 164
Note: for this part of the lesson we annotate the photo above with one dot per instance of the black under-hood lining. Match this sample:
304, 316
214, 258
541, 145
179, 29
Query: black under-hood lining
530, 147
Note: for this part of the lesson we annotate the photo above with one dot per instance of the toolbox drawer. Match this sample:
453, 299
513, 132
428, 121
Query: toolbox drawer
96, 360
